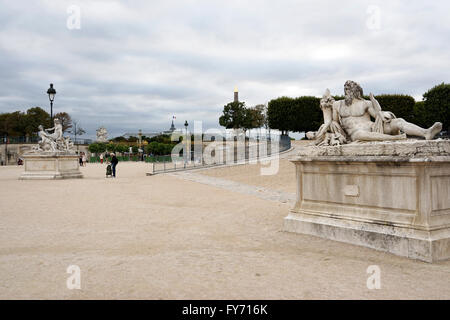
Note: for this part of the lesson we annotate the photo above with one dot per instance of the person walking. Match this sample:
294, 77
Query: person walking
84, 158
114, 162
101, 158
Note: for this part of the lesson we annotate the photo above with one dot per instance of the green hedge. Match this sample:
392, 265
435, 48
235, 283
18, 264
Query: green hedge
420, 114
304, 114
295, 114
401, 105
159, 148
437, 106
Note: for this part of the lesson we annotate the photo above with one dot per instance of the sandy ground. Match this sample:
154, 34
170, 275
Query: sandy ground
165, 237
250, 174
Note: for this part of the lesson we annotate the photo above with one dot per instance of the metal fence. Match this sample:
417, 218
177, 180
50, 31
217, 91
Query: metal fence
35, 139
81, 141
136, 158
195, 161
18, 140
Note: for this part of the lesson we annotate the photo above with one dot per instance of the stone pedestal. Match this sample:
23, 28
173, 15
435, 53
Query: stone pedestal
51, 166
393, 197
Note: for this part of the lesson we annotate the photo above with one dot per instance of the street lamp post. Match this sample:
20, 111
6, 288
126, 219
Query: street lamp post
6, 150
51, 96
141, 154
186, 156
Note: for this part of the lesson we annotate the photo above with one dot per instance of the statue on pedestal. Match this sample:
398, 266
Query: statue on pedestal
53, 142
53, 158
102, 134
349, 120
388, 193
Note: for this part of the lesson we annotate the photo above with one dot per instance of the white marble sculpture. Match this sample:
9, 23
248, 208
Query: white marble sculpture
388, 193
53, 158
102, 134
53, 142
349, 120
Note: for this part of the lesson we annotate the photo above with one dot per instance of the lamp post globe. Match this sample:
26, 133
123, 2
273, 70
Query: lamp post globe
51, 96
186, 155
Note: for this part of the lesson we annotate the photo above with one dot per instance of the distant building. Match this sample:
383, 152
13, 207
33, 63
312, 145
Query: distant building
144, 134
172, 127
152, 133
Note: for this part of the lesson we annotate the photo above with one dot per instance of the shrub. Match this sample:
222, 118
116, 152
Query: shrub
306, 114
97, 147
122, 147
157, 148
437, 105
297, 115
111, 147
401, 105
420, 114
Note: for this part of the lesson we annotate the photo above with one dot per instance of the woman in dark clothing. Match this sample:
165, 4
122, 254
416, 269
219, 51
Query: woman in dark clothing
114, 162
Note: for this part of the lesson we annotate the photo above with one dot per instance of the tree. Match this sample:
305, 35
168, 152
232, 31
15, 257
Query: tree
111, 147
162, 138
97, 147
12, 124
256, 117
119, 139
158, 148
65, 119
34, 117
77, 130
23, 124
278, 113
234, 115
122, 148
437, 105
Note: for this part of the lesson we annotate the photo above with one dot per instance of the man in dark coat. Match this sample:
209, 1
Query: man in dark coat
114, 162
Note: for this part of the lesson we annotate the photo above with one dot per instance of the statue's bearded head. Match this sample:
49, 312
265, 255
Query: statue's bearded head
352, 91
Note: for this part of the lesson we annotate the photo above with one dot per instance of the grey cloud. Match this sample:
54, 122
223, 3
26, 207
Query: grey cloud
134, 64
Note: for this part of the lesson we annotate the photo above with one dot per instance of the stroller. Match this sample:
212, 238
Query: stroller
108, 171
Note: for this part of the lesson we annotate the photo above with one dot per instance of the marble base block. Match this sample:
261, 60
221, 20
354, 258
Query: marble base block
51, 166
393, 197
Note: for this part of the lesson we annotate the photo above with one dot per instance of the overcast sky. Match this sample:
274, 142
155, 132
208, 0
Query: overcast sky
133, 64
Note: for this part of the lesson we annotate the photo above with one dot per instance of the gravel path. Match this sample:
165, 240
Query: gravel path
260, 192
